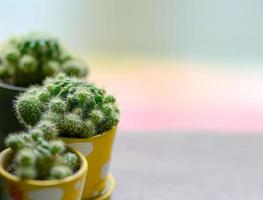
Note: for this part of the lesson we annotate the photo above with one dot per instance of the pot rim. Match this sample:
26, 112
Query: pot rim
12, 87
83, 169
108, 193
96, 137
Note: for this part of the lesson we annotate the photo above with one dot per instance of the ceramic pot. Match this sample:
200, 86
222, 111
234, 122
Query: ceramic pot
69, 188
8, 121
108, 190
97, 150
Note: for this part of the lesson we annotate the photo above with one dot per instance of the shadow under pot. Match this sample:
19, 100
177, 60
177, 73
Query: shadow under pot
8, 121
13, 188
97, 150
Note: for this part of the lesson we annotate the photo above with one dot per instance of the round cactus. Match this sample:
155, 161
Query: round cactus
74, 68
27, 64
36, 157
76, 108
30, 59
70, 160
59, 172
11, 54
47, 128
25, 158
51, 68
57, 105
29, 109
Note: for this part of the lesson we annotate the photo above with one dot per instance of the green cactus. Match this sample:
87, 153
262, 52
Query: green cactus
31, 108
75, 108
29, 59
36, 157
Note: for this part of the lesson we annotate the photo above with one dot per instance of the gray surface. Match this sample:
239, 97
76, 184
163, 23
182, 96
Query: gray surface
188, 166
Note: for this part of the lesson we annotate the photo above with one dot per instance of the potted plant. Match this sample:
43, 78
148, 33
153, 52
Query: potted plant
37, 166
28, 60
85, 117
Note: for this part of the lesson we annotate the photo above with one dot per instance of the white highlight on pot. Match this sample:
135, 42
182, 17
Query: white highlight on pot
105, 170
95, 194
79, 186
47, 193
84, 147
107, 187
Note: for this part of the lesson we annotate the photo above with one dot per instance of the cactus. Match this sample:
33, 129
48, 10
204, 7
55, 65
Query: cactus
30, 59
36, 156
75, 108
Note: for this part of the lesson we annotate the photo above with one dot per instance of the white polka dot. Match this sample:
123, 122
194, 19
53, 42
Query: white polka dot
84, 147
79, 186
105, 170
47, 193
95, 193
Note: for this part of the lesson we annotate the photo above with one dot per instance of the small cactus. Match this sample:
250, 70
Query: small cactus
30, 59
31, 108
36, 157
75, 108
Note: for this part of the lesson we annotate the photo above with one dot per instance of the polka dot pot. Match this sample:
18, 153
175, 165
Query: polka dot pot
69, 188
97, 150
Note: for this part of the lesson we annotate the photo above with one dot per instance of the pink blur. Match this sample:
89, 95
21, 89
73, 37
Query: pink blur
171, 96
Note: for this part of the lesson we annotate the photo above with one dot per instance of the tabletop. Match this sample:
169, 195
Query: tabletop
188, 166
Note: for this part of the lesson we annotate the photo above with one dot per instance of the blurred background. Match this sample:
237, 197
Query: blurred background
174, 65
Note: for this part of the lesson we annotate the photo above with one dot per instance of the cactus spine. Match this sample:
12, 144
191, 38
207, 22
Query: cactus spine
38, 156
30, 59
76, 108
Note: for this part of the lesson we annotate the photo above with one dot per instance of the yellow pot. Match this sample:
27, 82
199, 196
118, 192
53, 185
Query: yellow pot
97, 151
108, 190
69, 188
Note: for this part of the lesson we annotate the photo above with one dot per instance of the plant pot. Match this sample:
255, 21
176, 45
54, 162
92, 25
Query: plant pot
69, 188
97, 151
8, 120
108, 190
